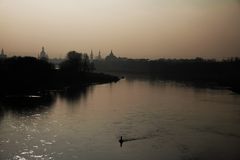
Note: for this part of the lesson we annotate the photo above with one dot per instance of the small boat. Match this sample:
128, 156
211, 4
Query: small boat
121, 141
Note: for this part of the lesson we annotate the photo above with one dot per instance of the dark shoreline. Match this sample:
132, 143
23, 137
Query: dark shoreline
58, 81
20, 75
30, 98
199, 71
198, 83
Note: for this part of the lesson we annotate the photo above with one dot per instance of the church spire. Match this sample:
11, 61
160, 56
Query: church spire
2, 55
99, 57
91, 55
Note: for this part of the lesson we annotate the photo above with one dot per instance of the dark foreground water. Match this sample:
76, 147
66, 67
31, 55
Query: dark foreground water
160, 120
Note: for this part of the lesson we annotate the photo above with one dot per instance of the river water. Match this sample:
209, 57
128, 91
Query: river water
158, 120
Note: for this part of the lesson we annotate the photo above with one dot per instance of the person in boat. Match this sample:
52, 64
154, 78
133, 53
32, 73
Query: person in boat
121, 141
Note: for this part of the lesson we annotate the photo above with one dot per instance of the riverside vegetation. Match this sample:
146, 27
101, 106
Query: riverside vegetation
29, 74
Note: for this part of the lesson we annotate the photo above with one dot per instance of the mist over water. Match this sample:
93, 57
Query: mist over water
157, 120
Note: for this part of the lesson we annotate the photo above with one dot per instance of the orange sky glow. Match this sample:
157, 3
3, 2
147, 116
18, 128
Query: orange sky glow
131, 28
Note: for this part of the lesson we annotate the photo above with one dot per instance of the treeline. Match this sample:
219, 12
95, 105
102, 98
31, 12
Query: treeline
224, 72
25, 74
77, 62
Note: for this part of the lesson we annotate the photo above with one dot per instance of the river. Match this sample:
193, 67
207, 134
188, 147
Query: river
157, 120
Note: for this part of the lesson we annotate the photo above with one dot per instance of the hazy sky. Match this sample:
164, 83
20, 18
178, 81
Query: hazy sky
132, 28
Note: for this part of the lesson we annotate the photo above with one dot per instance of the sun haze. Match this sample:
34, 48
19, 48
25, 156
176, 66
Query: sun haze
132, 28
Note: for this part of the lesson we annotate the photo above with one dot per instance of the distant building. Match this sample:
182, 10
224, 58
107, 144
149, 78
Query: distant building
99, 57
56, 62
91, 56
2, 55
111, 57
43, 55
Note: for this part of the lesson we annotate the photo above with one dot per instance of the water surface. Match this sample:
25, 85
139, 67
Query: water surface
158, 120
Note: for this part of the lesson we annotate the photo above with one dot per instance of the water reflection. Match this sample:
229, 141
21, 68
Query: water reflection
27, 105
155, 81
1, 113
75, 94
28, 132
157, 120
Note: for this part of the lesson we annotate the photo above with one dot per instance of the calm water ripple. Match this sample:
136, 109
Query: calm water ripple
157, 120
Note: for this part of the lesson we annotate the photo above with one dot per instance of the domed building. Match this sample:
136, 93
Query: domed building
111, 57
43, 55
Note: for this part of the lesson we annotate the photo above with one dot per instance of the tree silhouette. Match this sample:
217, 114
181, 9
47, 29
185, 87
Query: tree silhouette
76, 62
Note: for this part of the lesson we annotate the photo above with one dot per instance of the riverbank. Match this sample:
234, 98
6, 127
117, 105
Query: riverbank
205, 72
197, 82
35, 83
30, 75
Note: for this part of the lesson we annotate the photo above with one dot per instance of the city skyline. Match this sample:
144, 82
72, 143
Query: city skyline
135, 29
43, 52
